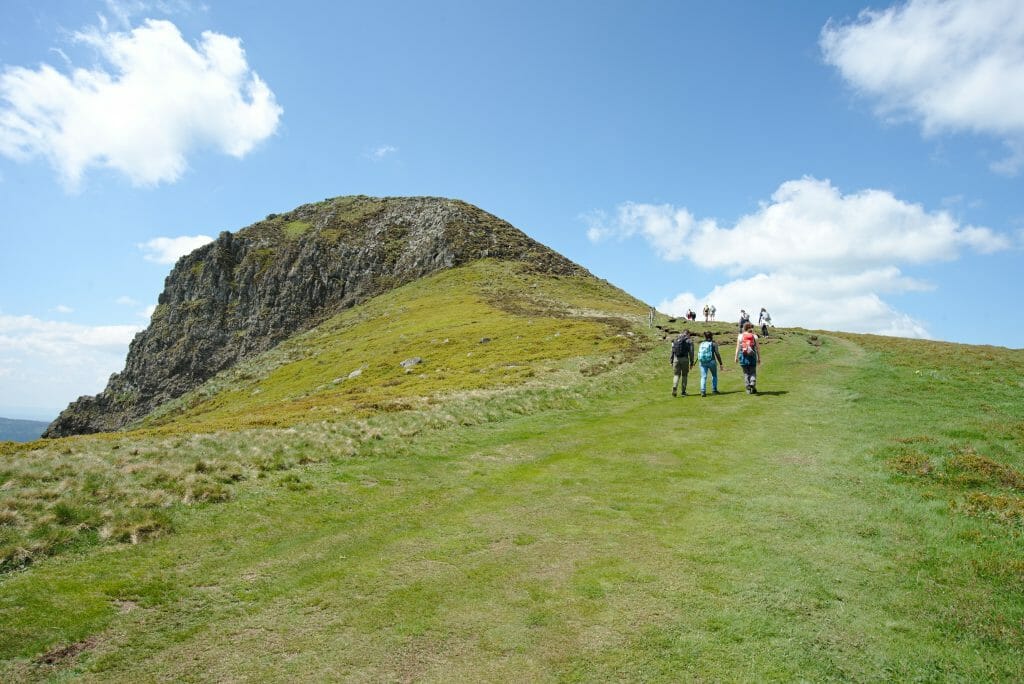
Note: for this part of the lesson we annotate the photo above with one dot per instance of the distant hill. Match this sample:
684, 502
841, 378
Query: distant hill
13, 430
248, 291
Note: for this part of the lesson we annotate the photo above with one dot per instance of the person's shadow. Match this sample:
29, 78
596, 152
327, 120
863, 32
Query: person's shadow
775, 393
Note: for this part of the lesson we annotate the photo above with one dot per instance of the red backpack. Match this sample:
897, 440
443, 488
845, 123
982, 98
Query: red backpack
747, 343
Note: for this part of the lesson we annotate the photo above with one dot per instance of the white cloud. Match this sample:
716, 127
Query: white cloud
164, 250
951, 65
63, 309
812, 256
50, 363
159, 99
809, 225
380, 153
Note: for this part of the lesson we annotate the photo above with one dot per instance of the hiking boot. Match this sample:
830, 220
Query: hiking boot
673, 393
703, 394
753, 390
715, 392
682, 394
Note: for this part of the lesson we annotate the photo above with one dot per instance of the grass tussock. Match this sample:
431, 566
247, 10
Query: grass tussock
1002, 507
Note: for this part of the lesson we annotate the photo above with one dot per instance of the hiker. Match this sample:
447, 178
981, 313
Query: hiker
764, 319
744, 319
712, 312
708, 354
707, 313
682, 361
748, 355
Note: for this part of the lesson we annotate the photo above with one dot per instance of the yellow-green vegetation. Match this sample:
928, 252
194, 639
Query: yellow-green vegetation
859, 520
486, 325
294, 229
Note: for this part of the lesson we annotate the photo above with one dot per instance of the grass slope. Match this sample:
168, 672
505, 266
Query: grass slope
859, 520
475, 329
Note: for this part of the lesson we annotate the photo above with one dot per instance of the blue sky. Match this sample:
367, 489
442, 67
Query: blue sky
849, 166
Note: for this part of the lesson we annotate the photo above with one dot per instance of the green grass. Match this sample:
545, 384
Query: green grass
502, 328
856, 521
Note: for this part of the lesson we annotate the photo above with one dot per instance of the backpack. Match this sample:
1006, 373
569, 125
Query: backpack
747, 343
706, 353
681, 347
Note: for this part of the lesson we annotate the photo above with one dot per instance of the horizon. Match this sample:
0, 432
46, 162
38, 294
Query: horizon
850, 169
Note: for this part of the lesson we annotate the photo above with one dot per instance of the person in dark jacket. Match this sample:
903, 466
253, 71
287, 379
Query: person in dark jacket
682, 361
744, 318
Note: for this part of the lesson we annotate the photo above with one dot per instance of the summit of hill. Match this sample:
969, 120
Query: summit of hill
247, 291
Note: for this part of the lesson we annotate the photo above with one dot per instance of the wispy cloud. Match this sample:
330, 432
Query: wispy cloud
165, 250
157, 100
63, 309
951, 65
814, 256
124, 12
380, 153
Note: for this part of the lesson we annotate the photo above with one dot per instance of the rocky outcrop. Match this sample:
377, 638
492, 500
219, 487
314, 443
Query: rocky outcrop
247, 291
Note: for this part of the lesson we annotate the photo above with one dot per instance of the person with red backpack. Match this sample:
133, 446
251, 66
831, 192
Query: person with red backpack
748, 356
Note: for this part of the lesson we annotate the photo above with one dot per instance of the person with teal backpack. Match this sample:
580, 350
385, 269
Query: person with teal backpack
708, 355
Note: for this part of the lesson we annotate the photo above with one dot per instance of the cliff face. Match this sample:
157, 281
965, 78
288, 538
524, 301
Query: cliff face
247, 291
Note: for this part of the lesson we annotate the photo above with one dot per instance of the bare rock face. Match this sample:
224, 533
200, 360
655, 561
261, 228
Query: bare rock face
247, 291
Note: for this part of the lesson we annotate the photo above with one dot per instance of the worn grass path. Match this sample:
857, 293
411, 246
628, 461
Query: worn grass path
638, 538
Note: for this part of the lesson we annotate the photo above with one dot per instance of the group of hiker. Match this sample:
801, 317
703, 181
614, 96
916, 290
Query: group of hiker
764, 319
709, 313
707, 354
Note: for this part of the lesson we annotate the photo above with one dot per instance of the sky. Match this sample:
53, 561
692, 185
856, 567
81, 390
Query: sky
846, 165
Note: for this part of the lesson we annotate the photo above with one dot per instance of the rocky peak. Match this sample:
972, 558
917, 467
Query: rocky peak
247, 291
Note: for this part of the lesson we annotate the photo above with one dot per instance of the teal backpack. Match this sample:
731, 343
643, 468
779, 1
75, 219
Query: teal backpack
706, 353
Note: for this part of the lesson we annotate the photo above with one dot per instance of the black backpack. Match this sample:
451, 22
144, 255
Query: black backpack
681, 347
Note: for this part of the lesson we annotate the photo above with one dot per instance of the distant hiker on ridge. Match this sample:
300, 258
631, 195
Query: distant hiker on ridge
744, 319
682, 361
712, 312
707, 313
748, 355
764, 320
708, 354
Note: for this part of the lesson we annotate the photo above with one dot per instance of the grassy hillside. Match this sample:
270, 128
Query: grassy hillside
861, 519
475, 331
487, 325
